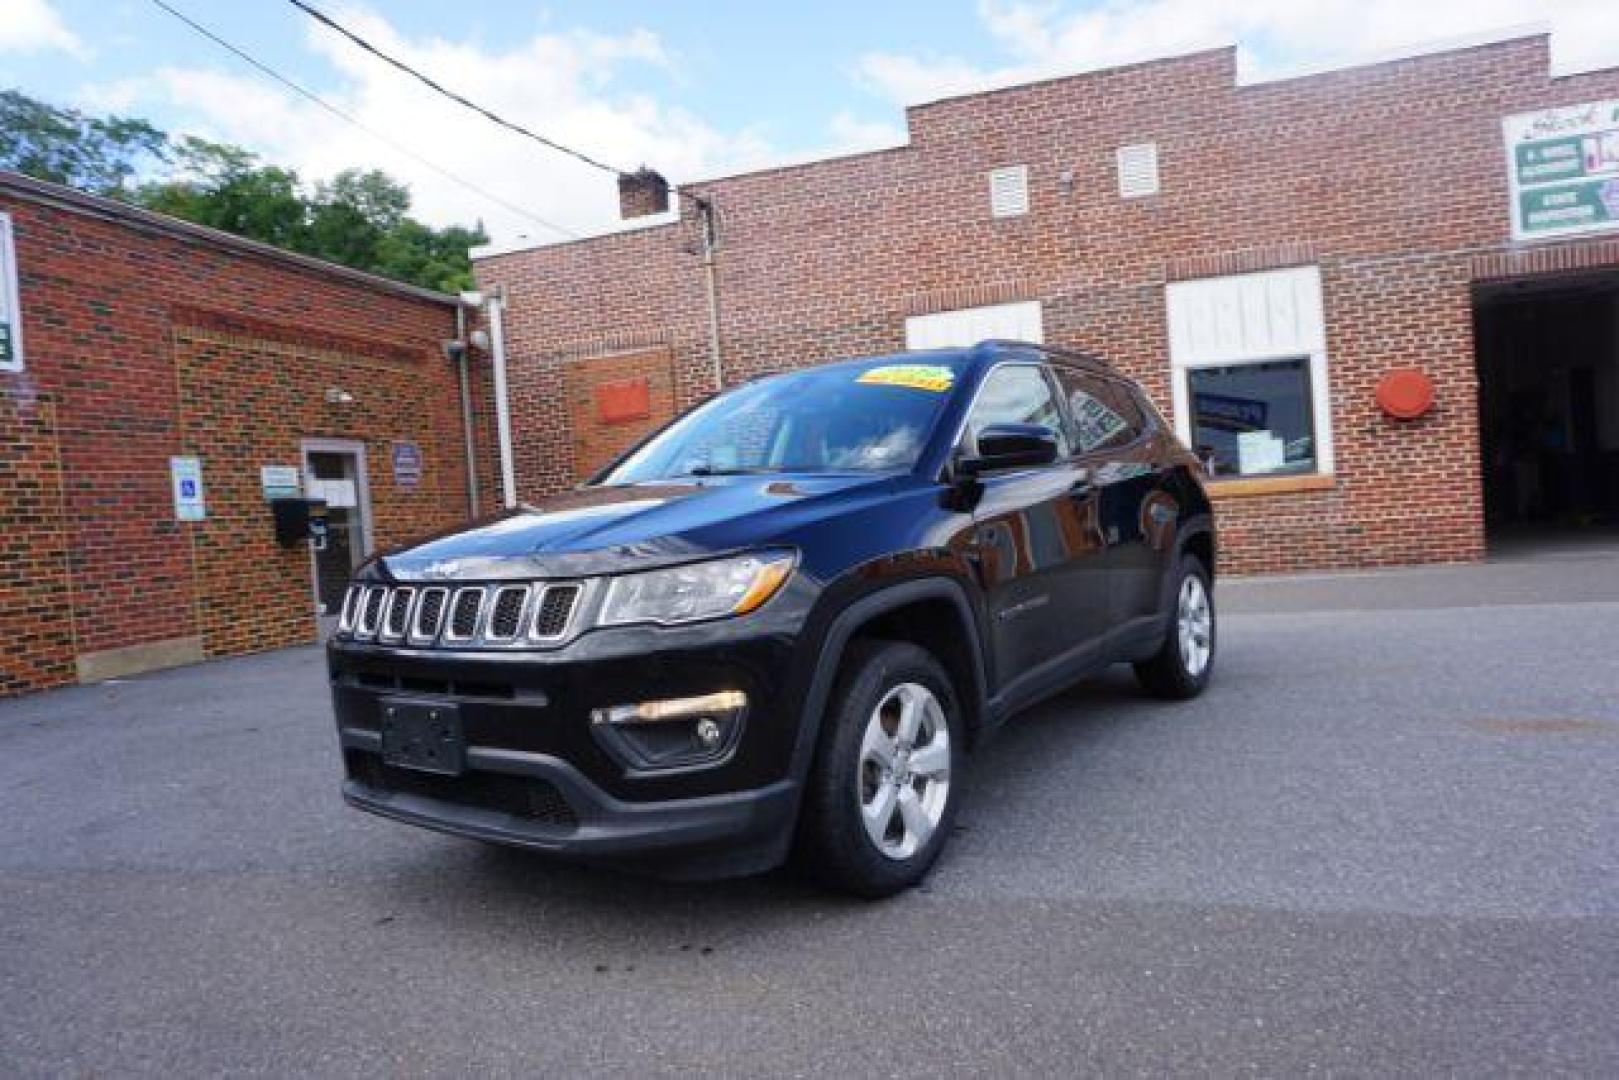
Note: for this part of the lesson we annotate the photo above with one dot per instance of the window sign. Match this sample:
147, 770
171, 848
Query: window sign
1563, 170
10, 310
185, 476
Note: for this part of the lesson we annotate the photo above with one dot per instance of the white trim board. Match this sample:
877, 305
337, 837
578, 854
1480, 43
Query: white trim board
1021, 321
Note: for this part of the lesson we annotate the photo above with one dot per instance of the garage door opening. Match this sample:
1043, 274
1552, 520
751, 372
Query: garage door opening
1548, 366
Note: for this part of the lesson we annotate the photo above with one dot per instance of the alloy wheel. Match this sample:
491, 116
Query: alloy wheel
904, 774
1194, 623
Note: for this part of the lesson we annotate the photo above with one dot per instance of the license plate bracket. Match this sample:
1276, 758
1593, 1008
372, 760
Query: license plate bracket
423, 735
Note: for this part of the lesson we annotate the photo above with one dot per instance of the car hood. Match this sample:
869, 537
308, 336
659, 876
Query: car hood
599, 530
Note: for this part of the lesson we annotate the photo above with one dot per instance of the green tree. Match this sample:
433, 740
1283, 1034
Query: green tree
96, 154
226, 188
360, 217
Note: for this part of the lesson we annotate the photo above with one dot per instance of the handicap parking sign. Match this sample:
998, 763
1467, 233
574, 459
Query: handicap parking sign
185, 474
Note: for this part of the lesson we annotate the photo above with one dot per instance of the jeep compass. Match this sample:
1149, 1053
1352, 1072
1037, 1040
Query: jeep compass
775, 629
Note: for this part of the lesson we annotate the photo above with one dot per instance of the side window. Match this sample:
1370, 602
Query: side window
1017, 394
1105, 415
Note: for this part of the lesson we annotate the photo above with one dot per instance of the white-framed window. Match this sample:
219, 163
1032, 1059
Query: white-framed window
1138, 170
1009, 191
11, 355
968, 326
1250, 374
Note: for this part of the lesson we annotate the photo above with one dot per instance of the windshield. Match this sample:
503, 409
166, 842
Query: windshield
849, 418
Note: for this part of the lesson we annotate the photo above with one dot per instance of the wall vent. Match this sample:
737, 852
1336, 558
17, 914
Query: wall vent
1138, 170
1009, 191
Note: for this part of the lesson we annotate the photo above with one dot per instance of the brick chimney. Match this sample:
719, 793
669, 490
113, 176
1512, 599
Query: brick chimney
642, 192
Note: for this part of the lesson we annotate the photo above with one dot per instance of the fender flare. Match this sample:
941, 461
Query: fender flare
1201, 524
830, 658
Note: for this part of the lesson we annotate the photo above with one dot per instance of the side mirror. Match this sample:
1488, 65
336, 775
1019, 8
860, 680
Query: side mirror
1010, 446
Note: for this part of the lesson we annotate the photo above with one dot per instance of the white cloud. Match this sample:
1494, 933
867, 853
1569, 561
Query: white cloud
565, 85
34, 26
1274, 36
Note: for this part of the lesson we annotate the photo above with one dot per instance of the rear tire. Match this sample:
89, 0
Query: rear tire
881, 799
1182, 666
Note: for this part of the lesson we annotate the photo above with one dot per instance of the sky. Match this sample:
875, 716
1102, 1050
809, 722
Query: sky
693, 88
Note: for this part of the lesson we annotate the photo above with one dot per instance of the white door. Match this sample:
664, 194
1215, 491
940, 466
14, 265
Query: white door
969, 326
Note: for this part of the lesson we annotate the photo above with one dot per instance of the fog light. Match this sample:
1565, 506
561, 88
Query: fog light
672, 733
726, 701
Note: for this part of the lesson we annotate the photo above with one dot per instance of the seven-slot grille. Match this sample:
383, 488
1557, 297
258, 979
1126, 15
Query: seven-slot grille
471, 614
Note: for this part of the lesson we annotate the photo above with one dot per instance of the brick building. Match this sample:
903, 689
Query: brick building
129, 340
1261, 257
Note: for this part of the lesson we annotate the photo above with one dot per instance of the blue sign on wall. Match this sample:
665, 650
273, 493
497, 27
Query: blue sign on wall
407, 464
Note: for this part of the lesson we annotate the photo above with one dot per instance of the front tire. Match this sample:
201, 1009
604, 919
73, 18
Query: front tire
881, 799
1182, 666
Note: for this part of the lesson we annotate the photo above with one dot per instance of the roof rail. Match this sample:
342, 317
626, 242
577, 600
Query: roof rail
1071, 357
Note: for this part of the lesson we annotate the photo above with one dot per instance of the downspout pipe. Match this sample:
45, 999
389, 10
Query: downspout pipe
503, 411
710, 247
466, 410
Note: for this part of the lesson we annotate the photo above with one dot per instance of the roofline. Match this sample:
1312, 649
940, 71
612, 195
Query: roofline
70, 199
993, 85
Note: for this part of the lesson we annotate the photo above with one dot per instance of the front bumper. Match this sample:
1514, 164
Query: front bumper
539, 775
541, 803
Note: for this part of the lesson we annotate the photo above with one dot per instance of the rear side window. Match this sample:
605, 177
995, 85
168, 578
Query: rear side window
1104, 412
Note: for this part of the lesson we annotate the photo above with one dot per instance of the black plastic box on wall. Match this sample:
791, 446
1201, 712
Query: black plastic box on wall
297, 519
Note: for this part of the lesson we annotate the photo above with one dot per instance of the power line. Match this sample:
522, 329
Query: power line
466, 102
349, 118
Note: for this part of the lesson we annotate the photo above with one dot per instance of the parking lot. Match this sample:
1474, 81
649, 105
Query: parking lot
1385, 842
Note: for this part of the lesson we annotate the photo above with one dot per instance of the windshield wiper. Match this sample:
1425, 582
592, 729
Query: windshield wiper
709, 470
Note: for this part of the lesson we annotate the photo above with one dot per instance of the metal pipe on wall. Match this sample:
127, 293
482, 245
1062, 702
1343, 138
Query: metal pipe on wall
466, 409
503, 412
711, 281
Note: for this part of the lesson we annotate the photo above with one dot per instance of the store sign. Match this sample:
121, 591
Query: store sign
185, 476
280, 481
10, 310
1563, 170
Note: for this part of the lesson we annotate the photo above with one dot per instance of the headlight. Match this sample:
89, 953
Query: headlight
700, 591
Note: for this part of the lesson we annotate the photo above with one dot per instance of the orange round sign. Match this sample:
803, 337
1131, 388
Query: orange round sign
1405, 394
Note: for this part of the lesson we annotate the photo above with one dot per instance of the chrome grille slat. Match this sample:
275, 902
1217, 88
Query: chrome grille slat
466, 611
371, 611
429, 618
554, 612
506, 612
396, 614
351, 599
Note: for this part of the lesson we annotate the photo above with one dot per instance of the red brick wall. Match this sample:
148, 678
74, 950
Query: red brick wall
34, 619
597, 441
247, 585
103, 404
1391, 178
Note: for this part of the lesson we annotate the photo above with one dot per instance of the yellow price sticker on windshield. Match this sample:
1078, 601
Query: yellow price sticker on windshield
930, 377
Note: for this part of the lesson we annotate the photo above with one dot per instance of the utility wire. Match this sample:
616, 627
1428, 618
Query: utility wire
552, 144
349, 118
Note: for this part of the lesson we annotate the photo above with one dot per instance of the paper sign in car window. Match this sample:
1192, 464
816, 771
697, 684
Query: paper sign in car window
928, 377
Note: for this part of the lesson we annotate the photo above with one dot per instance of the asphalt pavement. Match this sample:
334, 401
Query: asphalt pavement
1385, 842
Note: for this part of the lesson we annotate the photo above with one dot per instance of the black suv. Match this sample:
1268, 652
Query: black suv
776, 627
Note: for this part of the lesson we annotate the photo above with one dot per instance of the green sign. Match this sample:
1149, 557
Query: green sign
1563, 169
1549, 159
1567, 206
